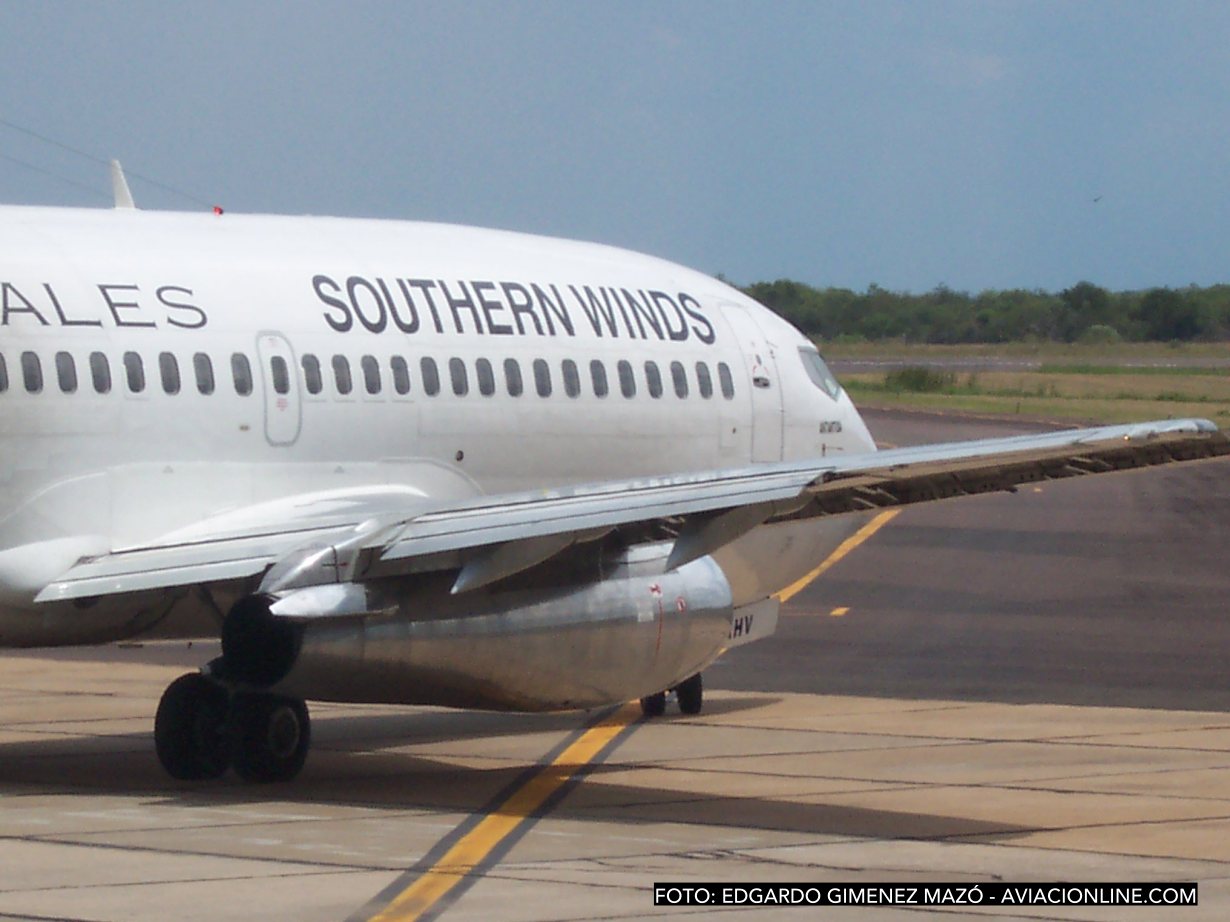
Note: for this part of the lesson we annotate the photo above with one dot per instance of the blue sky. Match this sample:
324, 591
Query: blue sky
902, 144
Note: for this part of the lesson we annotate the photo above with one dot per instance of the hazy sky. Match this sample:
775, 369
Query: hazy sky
979, 145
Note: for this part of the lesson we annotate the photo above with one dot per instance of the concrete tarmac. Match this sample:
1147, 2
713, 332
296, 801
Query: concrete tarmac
1025, 687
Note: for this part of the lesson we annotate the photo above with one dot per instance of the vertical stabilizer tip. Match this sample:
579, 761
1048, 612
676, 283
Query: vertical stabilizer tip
119, 187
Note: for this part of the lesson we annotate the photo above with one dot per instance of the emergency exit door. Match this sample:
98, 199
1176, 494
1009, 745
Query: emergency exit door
279, 375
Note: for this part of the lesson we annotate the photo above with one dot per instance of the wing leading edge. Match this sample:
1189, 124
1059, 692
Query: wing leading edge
494, 537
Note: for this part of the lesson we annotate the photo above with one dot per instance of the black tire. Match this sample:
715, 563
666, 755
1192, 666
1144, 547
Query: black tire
654, 705
272, 736
190, 731
690, 693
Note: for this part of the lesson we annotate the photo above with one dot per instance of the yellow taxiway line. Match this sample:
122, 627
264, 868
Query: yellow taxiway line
843, 549
425, 893
472, 849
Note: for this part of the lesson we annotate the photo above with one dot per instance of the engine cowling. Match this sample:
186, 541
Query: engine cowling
413, 641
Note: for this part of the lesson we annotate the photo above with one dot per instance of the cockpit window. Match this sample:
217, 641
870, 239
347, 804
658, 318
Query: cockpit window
819, 372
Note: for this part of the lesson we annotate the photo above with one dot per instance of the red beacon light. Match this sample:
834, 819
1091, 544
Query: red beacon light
217, 209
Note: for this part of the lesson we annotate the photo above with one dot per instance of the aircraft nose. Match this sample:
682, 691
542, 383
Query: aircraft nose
858, 428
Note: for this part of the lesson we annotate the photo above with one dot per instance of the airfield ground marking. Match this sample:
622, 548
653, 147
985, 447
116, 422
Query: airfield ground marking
424, 892
840, 612
842, 550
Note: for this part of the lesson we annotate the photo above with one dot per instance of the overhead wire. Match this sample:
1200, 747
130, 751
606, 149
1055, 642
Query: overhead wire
56, 176
93, 159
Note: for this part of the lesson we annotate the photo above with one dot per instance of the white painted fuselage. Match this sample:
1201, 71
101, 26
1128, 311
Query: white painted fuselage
162, 369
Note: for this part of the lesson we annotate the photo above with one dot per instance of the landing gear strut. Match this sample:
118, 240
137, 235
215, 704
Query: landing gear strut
202, 728
689, 693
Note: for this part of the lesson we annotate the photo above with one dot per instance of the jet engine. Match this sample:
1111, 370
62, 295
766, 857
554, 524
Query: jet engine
412, 641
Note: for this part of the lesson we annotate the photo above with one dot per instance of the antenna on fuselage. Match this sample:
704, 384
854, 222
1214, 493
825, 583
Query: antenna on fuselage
119, 187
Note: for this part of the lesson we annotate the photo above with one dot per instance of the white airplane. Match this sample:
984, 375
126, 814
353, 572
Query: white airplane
415, 463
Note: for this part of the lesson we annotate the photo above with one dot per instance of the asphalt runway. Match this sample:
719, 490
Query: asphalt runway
1011, 687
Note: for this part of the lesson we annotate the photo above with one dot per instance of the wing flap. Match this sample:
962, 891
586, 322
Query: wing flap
501, 519
166, 565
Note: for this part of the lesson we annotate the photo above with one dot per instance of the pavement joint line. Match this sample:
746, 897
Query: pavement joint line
906, 708
752, 853
321, 866
171, 881
396, 813
1082, 740
888, 786
459, 860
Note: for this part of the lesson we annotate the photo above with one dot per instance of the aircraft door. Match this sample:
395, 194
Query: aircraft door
760, 365
279, 374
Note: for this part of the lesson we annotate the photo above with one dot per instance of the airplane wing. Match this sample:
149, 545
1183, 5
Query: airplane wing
493, 537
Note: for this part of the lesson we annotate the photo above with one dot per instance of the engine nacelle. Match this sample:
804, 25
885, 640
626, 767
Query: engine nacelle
412, 641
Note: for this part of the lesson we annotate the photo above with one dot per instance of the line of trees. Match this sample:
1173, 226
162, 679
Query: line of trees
1083, 313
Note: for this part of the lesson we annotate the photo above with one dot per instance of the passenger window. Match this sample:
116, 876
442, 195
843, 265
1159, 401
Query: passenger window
4, 375
341, 374
457, 374
572, 380
653, 379
597, 373
401, 374
679, 378
134, 371
542, 378
431, 376
486, 377
726, 381
280, 373
371, 373
32, 372
100, 372
66, 372
512, 377
168, 369
312, 377
627, 382
241, 373
703, 380
204, 370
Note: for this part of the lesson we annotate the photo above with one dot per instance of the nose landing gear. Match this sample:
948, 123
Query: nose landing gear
689, 693
202, 728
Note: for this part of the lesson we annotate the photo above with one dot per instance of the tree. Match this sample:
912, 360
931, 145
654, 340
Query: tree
1084, 304
1168, 315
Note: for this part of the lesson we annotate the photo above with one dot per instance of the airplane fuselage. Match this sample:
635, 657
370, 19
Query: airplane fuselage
161, 369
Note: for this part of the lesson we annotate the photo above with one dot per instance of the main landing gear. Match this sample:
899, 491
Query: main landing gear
689, 693
202, 728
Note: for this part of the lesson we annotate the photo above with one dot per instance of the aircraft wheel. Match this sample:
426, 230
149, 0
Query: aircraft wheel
654, 705
190, 731
272, 735
690, 693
